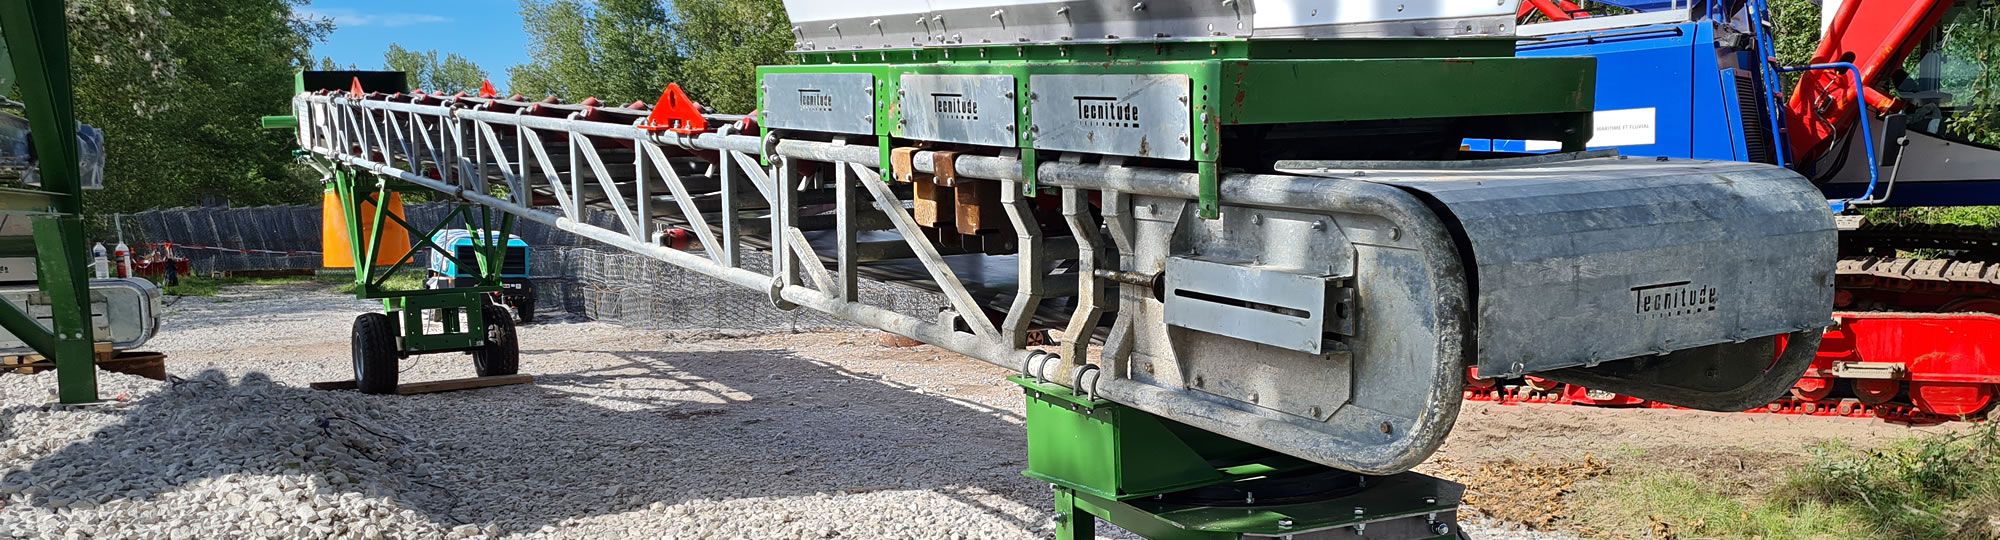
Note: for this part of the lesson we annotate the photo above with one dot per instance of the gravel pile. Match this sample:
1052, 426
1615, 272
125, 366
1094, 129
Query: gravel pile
210, 457
625, 434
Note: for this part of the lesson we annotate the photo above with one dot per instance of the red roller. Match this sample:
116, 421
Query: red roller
1599, 398
1475, 382
1812, 388
1952, 400
1876, 391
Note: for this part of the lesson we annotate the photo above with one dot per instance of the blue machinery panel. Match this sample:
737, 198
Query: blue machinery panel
1672, 89
1662, 90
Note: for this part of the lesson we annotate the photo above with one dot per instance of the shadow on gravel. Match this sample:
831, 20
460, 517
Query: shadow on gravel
651, 427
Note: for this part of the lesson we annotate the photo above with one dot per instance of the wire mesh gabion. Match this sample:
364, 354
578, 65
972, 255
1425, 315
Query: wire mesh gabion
570, 273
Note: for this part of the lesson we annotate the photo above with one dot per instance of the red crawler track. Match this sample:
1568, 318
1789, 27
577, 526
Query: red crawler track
1906, 368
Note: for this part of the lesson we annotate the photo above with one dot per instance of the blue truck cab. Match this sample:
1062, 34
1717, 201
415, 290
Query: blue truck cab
518, 291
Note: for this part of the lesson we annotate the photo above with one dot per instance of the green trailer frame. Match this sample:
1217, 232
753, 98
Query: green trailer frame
358, 200
37, 40
468, 321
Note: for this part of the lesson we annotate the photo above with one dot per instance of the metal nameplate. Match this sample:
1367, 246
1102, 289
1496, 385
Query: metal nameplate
1125, 115
970, 109
17, 269
829, 102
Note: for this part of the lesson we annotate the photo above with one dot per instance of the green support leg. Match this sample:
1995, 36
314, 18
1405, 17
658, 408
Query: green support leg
1123, 466
60, 265
37, 37
1073, 523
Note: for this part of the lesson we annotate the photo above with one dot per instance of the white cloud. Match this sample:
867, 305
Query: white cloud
348, 17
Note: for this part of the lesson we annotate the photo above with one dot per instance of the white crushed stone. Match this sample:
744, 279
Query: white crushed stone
625, 434
208, 457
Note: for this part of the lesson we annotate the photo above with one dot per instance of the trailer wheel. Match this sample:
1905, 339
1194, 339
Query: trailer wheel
375, 354
502, 354
526, 308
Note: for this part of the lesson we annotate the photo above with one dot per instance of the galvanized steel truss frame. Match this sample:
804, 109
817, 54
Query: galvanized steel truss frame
504, 159
543, 164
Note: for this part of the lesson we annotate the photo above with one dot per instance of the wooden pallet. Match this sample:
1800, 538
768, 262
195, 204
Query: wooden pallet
150, 365
429, 387
103, 349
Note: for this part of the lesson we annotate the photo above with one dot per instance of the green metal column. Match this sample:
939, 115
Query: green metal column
1074, 523
37, 42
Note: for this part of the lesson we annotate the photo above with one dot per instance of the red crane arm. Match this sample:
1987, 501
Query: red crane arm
1875, 37
1555, 10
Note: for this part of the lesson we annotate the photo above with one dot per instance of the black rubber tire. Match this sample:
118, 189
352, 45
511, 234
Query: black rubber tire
502, 354
375, 354
526, 308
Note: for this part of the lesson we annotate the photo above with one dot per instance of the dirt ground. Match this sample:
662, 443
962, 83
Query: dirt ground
847, 427
1533, 464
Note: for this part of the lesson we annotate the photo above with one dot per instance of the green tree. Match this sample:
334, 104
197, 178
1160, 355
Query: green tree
725, 41
1972, 43
177, 86
451, 73
634, 55
625, 50
559, 51
1796, 34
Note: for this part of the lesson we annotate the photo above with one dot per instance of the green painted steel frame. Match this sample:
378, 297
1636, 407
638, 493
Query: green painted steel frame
1116, 452
1248, 82
1111, 462
359, 201
37, 41
1394, 497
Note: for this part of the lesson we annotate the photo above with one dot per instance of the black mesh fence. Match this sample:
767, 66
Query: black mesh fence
570, 273
218, 240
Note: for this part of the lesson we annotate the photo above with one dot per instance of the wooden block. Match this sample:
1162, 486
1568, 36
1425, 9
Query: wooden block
150, 365
945, 163
931, 204
333, 385
448, 385
978, 209
428, 387
901, 164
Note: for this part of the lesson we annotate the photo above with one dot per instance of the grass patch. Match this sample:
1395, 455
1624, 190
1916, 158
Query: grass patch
210, 285
1977, 216
1934, 486
1681, 505
405, 280
1940, 486
340, 281
195, 286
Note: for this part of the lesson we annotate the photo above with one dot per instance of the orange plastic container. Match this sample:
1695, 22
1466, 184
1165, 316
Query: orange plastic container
336, 251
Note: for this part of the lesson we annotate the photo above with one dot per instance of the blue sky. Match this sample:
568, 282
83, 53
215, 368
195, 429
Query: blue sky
486, 31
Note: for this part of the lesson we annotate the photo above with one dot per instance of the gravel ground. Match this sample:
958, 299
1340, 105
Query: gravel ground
626, 433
